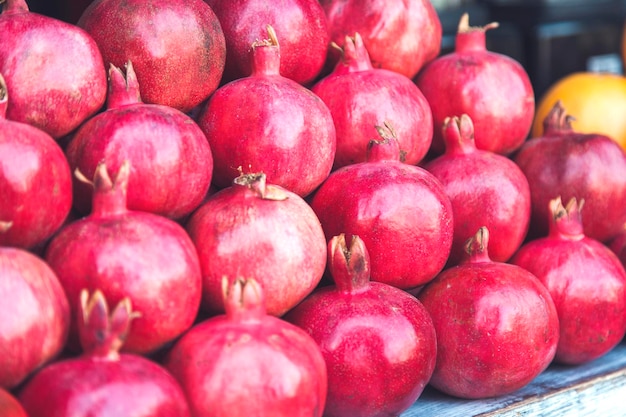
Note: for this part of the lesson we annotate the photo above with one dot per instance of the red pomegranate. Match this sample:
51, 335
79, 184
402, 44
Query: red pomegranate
35, 315
248, 363
299, 24
10, 406
170, 157
258, 230
401, 212
58, 96
497, 326
126, 253
101, 381
485, 188
359, 95
177, 47
400, 35
587, 283
271, 124
35, 181
492, 88
566, 163
396, 348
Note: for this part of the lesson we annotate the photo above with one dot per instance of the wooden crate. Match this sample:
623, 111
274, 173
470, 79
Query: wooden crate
594, 389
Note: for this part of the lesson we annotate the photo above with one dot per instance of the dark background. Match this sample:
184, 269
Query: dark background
550, 38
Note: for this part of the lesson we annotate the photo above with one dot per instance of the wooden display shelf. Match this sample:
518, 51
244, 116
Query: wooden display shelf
597, 388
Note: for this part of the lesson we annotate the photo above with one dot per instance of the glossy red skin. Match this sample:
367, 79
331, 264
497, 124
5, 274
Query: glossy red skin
401, 212
35, 184
401, 36
59, 96
360, 97
497, 328
171, 161
492, 88
35, 315
262, 367
301, 27
571, 165
588, 285
280, 244
9, 406
144, 256
486, 189
177, 47
269, 123
378, 334
99, 387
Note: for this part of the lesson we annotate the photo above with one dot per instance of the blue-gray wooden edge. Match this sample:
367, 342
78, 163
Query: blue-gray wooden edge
597, 388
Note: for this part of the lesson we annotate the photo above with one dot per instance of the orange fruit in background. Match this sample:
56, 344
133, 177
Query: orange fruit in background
597, 101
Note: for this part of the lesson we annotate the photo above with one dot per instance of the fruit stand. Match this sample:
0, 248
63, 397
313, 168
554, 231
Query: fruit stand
322, 208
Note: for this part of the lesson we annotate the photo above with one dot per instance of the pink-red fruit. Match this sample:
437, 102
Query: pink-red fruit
586, 281
247, 363
367, 331
497, 326
101, 381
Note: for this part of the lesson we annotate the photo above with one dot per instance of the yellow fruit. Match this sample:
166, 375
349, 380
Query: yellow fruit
597, 101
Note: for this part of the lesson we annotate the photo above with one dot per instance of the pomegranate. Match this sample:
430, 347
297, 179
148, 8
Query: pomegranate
401, 212
587, 283
101, 381
565, 163
126, 253
358, 96
497, 326
271, 124
58, 96
396, 349
492, 88
177, 47
9, 406
35, 315
400, 35
258, 230
170, 157
299, 24
485, 188
35, 181
277, 368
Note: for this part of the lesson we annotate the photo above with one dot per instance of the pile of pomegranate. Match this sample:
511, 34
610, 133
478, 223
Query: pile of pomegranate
217, 208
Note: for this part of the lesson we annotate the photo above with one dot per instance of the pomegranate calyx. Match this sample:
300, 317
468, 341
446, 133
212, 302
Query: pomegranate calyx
471, 38
271, 40
244, 299
354, 56
102, 333
266, 55
476, 247
566, 220
464, 26
458, 135
109, 197
349, 264
387, 148
557, 121
257, 183
123, 89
